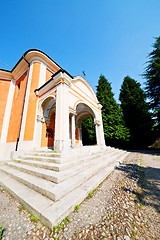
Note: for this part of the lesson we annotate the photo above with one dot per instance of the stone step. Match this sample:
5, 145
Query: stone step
49, 212
64, 165
40, 158
94, 181
48, 188
58, 157
73, 152
56, 191
67, 159
47, 158
57, 177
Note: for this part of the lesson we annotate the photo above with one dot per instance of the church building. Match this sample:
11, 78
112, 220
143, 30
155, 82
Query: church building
42, 106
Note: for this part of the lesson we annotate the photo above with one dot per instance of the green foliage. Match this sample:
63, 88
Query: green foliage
33, 218
90, 193
1, 232
88, 131
60, 225
115, 131
77, 207
152, 75
135, 113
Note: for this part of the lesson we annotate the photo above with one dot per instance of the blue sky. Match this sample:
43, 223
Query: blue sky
109, 37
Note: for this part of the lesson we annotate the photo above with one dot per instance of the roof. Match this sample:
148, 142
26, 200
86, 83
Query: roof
28, 51
59, 71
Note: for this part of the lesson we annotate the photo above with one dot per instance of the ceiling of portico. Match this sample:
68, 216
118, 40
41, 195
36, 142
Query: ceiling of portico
82, 111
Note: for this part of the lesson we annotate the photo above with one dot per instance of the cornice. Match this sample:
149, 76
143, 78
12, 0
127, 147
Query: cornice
60, 77
31, 56
6, 75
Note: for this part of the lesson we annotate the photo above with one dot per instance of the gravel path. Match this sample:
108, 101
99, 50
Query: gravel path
125, 206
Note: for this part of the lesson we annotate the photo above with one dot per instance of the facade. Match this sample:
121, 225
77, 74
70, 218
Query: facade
42, 106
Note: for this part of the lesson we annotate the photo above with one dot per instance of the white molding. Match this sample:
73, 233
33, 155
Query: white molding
42, 75
21, 72
41, 60
84, 81
46, 95
56, 80
7, 112
37, 127
21, 75
26, 103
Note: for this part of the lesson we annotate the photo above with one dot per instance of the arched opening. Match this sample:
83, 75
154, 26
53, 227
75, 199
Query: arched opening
88, 131
85, 128
47, 110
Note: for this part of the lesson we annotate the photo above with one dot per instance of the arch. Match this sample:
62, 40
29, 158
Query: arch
46, 106
83, 110
46, 123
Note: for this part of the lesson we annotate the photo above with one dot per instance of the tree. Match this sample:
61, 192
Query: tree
115, 131
152, 75
135, 113
88, 131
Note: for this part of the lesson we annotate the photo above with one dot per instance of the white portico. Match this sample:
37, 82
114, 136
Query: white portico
64, 101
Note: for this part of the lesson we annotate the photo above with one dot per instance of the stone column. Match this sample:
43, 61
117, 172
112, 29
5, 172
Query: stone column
40, 121
99, 133
73, 130
99, 128
80, 135
62, 142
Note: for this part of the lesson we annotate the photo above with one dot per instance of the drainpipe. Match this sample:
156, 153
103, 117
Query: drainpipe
24, 96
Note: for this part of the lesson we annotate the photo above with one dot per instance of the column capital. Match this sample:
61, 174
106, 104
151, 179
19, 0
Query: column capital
96, 122
40, 119
72, 111
99, 105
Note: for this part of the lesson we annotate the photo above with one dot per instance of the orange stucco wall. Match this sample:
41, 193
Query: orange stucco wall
45, 141
48, 74
31, 111
4, 89
16, 108
77, 136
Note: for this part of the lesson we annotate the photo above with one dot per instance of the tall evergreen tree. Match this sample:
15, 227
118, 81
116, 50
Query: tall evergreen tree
88, 131
152, 75
115, 131
135, 112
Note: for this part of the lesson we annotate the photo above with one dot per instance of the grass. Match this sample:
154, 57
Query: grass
61, 225
23, 207
76, 208
1, 232
33, 218
90, 193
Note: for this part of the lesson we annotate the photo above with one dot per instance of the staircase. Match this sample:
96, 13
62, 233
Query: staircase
51, 184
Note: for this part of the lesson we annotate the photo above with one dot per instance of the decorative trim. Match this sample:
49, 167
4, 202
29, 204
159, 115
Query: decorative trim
26, 103
42, 74
96, 122
72, 111
7, 112
40, 119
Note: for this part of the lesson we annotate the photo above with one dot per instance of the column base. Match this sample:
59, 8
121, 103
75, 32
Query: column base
61, 145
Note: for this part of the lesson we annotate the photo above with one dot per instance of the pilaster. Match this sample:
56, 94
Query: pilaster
62, 142
7, 112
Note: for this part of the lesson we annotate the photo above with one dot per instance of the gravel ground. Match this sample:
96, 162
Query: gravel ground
125, 206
